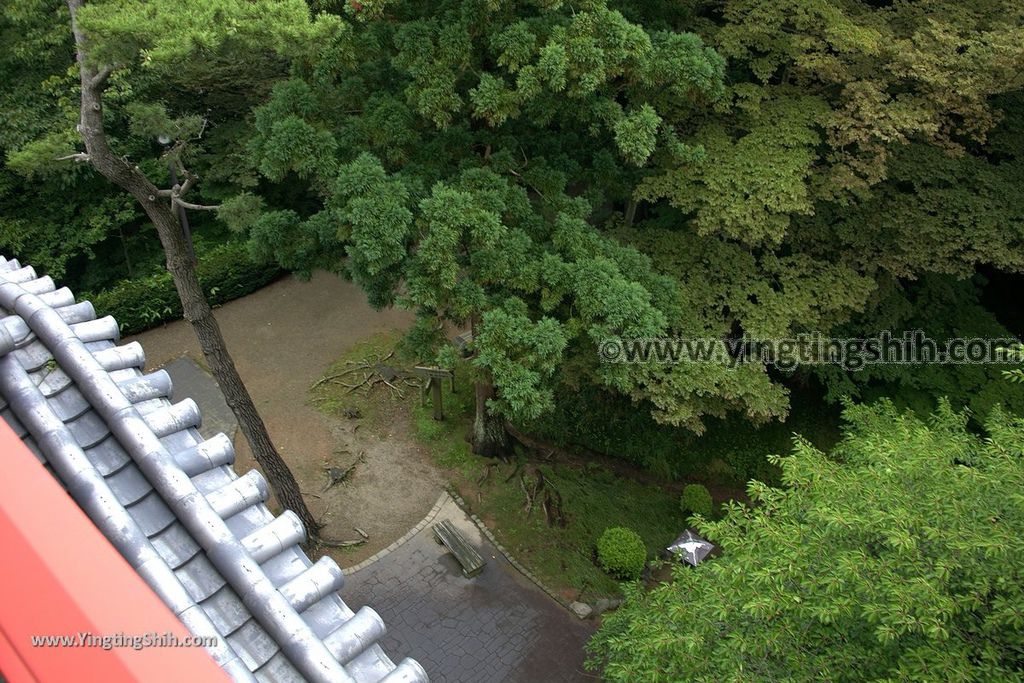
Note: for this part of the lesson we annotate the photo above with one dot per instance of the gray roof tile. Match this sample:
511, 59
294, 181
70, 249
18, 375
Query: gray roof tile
277, 668
175, 545
226, 610
169, 501
129, 485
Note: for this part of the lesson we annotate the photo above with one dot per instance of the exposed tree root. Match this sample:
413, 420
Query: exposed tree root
485, 477
541, 488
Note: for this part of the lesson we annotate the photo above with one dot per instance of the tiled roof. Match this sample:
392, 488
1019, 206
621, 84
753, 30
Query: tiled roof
170, 502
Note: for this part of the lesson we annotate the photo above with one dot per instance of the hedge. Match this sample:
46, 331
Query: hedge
696, 500
226, 272
622, 553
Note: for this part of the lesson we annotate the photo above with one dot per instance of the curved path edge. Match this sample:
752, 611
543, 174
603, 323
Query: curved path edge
451, 495
508, 556
441, 500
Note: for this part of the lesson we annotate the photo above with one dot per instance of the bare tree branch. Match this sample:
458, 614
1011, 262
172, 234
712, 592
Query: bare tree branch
195, 207
188, 184
102, 75
176, 152
77, 156
181, 263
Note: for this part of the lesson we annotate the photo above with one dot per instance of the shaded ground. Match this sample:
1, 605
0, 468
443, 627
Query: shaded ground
583, 497
282, 338
495, 627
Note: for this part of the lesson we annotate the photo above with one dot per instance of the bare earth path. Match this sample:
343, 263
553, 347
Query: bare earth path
282, 338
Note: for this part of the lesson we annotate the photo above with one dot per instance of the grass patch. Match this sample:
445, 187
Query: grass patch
334, 399
446, 439
594, 496
593, 499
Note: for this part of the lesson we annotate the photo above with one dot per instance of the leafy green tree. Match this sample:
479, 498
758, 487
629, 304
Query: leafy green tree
69, 221
943, 308
858, 148
463, 160
50, 213
896, 557
650, 168
786, 189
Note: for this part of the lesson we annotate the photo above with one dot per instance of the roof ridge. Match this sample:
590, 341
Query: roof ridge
299, 644
238, 560
92, 493
84, 482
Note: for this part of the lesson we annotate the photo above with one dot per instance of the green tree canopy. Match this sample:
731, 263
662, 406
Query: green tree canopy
191, 72
897, 557
794, 163
481, 143
573, 171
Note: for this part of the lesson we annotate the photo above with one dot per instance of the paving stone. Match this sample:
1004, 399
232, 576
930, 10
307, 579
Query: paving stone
581, 609
494, 627
188, 380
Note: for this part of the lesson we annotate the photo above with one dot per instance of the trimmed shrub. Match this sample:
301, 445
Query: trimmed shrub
696, 500
226, 272
622, 553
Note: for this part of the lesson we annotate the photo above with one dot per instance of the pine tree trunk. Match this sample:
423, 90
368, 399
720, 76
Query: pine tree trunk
198, 313
181, 264
489, 436
631, 211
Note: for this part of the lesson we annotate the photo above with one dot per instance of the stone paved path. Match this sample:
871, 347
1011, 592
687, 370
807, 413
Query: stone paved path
495, 627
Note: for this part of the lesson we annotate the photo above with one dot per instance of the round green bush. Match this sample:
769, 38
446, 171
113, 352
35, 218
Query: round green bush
622, 553
696, 500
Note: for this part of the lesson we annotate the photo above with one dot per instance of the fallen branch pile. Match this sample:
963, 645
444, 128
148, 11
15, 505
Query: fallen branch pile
369, 372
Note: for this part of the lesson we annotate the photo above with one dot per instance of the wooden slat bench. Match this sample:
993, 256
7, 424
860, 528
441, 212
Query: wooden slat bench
447, 535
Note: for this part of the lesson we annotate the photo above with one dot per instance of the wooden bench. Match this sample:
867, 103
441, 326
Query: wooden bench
447, 535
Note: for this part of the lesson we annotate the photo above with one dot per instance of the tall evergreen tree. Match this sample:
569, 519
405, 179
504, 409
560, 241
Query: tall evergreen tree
111, 35
752, 185
701, 169
462, 161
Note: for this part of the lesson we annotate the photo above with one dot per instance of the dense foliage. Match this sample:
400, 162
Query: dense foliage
63, 217
622, 553
555, 175
898, 556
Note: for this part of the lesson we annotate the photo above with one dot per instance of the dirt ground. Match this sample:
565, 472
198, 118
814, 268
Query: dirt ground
282, 338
